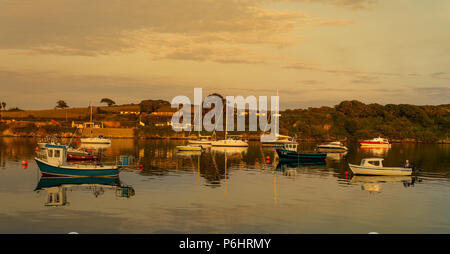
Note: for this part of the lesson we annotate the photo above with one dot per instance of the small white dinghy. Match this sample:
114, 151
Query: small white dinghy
374, 166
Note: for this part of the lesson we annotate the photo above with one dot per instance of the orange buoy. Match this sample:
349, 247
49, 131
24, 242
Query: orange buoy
24, 162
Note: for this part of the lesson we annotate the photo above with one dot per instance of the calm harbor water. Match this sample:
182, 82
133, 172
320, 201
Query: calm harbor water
227, 191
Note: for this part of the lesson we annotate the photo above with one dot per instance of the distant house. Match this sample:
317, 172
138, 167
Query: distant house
87, 125
130, 112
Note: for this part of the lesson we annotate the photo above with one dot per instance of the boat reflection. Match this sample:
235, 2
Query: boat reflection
229, 150
56, 188
375, 151
97, 147
282, 166
336, 156
188, 153
373, 184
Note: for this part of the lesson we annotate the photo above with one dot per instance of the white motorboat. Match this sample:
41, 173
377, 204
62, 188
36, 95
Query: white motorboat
374, 166
336, 147
96, 140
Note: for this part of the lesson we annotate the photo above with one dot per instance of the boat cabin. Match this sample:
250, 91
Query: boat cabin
55, 154
372, 162
291, 146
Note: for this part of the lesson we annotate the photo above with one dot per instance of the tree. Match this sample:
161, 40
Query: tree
150, 106
108, 101
4, 105
61, 104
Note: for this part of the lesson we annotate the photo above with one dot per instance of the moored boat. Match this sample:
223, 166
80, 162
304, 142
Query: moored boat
374, 166
332, 147
96, 140
53, 162
202, 140
376, 142
230, 141
289, 153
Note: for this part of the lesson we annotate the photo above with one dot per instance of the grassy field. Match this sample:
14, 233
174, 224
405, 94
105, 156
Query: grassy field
70, 113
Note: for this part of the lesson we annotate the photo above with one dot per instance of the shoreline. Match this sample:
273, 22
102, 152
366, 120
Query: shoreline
253, 139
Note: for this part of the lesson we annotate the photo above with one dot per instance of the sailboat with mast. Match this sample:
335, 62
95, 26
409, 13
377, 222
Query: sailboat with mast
278, 140
230, 140
94, 140
201, 140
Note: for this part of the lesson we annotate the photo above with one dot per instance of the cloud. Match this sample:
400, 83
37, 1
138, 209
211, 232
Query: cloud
365, 79
40, 89
352, 4
197, 30
440, 75
363, 75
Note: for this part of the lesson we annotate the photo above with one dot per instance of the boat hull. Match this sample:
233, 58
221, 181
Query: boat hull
95, 141
330, 149
381, 171
230, 143
50, 170
76, 157
199, 142
374, 144
286, 155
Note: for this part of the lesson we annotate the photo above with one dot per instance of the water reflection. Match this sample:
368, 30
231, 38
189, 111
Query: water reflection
379, 151
247, 189
56, 188
373, 184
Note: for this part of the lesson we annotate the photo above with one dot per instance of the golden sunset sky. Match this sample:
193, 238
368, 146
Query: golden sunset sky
317, 52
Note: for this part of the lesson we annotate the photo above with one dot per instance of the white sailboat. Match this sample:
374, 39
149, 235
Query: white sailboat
95, 140
230, 140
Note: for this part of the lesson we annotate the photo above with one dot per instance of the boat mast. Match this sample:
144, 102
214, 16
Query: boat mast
90, 105
226, 122
278, 115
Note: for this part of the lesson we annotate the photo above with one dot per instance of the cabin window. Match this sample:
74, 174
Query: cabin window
57, 153
50, 153
375, 163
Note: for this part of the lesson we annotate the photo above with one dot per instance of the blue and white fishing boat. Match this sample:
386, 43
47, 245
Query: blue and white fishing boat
289, 153
52, 161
